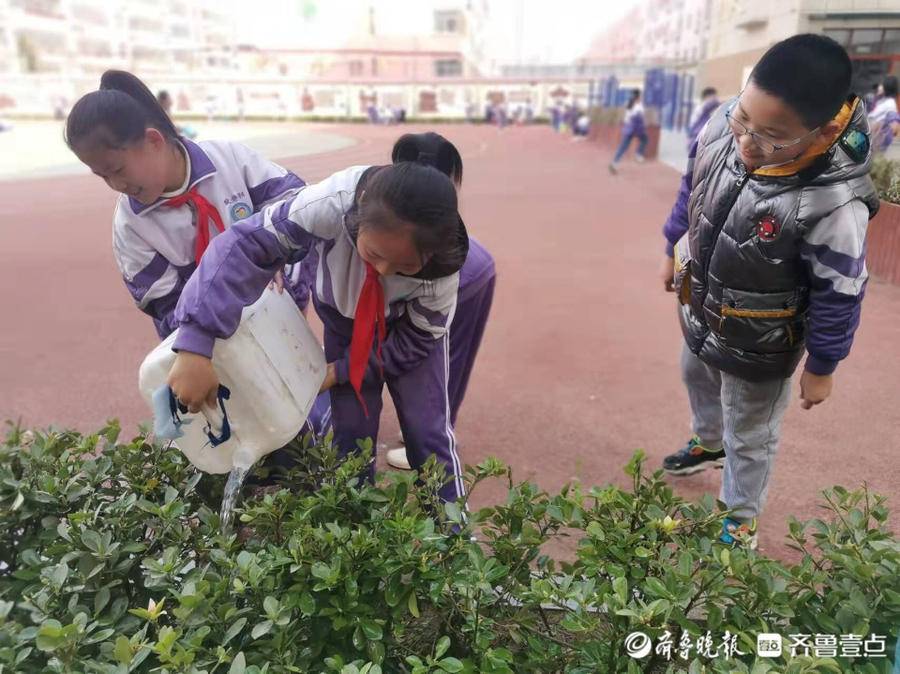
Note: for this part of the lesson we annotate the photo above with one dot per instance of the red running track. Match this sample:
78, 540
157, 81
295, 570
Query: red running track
579, 364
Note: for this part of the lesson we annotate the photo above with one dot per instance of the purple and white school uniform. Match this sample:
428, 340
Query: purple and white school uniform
155, 245
477, 280
418, 309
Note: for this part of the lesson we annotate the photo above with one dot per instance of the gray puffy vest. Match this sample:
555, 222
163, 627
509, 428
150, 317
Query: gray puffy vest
745, 290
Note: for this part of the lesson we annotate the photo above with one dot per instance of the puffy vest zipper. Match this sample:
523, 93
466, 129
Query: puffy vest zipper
741, 181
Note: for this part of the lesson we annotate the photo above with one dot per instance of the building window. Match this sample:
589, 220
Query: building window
842, 37
427, 101
324, 99
447, 22
448, 68
866, 41
891, 42
89, 14
46, 8
94, 48
356, 68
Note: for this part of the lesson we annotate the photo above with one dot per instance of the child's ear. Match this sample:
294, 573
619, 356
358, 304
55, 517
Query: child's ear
154, 137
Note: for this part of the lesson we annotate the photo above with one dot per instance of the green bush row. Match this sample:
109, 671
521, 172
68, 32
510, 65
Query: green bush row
112, 561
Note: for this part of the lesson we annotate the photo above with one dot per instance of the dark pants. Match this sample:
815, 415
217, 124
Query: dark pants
466, 331
626, 141
422, 401
427, 398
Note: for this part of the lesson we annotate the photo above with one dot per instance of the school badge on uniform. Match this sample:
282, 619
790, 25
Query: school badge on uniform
240, 210
856, 145
768, 228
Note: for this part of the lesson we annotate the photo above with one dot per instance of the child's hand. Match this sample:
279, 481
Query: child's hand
814, 388
277, 283
667, 273
193, 380
330, 379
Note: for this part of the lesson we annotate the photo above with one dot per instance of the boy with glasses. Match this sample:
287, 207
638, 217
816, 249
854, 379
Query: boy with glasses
766, 250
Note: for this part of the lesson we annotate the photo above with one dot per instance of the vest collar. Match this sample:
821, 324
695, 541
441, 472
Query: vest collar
814, 151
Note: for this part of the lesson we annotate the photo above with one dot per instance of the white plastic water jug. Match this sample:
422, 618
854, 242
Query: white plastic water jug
273, 366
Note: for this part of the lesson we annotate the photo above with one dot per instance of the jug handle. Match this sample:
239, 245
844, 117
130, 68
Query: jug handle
218, 428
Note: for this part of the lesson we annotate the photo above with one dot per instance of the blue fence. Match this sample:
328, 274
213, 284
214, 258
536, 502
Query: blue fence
670, 94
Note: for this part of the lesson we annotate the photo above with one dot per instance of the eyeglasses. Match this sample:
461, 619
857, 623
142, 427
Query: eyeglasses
763, 143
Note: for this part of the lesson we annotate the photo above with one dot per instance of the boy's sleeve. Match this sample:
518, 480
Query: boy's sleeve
240, 262
835, 253
677, 222
153, 282
267, 182
415, 335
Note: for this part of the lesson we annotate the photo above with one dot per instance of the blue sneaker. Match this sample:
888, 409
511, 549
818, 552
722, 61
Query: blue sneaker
692, 458
739, 534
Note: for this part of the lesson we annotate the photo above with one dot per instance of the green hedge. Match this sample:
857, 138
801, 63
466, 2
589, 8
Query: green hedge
886, 175
111, 560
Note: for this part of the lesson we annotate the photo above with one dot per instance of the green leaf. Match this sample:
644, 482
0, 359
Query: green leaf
413, 604
451, 665
321, 571
122, 651
23, 655
142, 655
595, 530
359, 639
271, 606
442, 646
620, 588
234, 630
101, 599
238, 665
261, 629
97, 637
307, 604
372, 630
454, 514
49, 636
655, 587
393, 591
91, 540
59, 575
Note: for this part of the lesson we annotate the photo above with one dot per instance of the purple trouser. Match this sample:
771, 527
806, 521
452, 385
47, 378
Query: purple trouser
420, 397
428, 397
476, 294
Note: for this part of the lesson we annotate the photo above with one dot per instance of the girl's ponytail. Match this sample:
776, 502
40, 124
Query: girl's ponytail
118, 113
432, 149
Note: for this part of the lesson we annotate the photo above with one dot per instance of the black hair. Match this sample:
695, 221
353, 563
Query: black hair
708, 91
634, 98
117, 114
432, 149
418, 188
890, 86
810, 73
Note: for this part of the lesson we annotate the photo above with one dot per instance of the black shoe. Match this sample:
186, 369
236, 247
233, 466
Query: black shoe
692, 458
